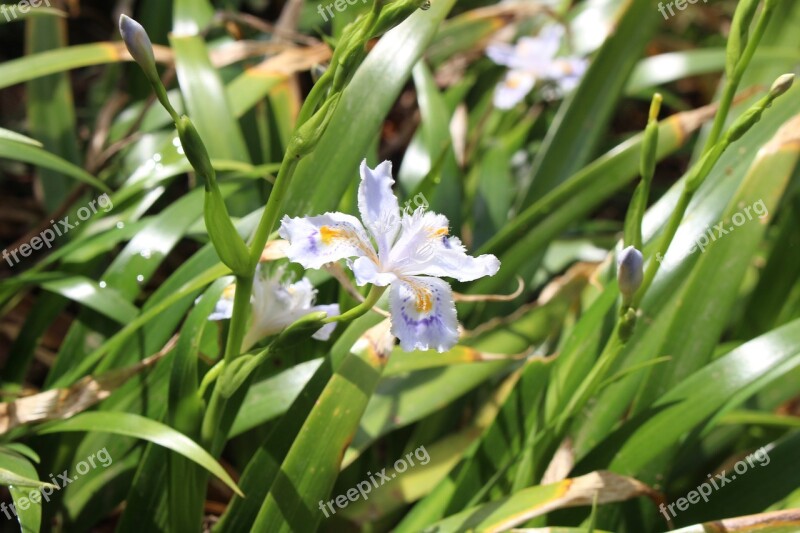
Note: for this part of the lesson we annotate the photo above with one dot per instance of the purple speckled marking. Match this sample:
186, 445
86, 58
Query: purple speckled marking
312, 244
426, 322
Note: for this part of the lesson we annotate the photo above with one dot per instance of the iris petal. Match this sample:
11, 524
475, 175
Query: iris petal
324, 333
424, 247
516, 85
366, 271
378, 205
423, 314
224, 307
314, 241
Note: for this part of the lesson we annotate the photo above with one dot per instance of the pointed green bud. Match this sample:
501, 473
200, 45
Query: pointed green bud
739, 34
396, 12
749, 118
647, 168
309, 134
239, 370
141, 49
230, 247
647, 163
195, 150
235, 373
697, 174
629, 272
300, 329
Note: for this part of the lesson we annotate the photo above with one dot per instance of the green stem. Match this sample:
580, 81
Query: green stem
209, 431
369, 302
315, 95
733, 83
241, 312
599, 371
274, 204
209, 378
725, 103
233, 348
664, 242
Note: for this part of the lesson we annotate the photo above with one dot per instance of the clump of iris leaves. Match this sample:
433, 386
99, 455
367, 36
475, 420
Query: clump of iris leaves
409, 226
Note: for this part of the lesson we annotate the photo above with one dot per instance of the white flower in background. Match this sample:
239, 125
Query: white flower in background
409, 251
533, 59
276, 305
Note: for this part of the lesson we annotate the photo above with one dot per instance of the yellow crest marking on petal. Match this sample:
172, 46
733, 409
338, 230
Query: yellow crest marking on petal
229, 291
327, 234
424, 299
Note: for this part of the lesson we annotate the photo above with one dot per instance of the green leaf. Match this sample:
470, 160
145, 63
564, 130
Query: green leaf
41, 11
271, 397
736, 376
59, 60
501, 443
104, 300
37, 156
325, 434
173, 497
16, 469
264, 467
132, 425
521, 506
8, 135
335, 160
569, 143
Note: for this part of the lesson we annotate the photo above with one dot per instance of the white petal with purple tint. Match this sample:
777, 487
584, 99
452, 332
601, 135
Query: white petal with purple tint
314, 241
423, 314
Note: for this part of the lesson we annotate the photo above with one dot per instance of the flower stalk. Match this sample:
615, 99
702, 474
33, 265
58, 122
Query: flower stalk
741, 46
364, 307
698, 173
633, 283
240, 257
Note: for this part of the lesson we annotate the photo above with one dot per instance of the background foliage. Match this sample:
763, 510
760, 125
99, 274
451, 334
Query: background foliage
106, 337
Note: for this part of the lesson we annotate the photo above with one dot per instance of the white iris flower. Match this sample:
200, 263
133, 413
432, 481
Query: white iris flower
276, 305
533, 59
409, 252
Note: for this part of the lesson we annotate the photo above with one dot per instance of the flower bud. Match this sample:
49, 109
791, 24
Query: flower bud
396, 12
739, 33
750, 117
629, 271
309, 134
195, 150
138, 44
141, 49
781, 85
